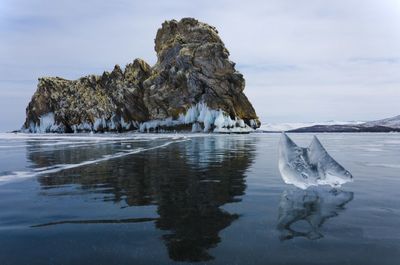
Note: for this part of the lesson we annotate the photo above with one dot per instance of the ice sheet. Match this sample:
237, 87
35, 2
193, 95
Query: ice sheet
19, 175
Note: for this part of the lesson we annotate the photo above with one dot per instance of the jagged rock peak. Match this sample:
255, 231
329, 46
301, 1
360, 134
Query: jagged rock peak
193, 86
187, 30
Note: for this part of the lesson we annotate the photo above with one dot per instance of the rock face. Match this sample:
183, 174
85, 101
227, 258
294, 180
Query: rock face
193, 86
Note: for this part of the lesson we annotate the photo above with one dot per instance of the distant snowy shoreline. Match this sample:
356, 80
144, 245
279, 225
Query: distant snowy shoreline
385, 125
281, 127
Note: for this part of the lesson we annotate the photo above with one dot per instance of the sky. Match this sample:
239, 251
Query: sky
309, 60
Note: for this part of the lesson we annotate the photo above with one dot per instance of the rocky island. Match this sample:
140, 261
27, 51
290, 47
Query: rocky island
192, 87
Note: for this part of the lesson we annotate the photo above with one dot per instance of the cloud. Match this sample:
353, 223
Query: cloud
303, 61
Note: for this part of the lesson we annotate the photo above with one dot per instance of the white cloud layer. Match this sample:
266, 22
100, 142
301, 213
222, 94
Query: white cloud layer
308, 60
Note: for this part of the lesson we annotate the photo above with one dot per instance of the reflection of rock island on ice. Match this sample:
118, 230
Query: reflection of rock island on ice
203, 175
313, 206
311, 166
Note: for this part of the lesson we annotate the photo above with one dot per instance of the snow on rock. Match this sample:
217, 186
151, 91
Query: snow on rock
393, 122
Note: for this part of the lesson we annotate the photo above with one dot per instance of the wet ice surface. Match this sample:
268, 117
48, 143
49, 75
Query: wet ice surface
313, 205
211, 199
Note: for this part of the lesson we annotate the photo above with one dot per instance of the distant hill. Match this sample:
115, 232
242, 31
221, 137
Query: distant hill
284, 127
385, 125
393, 122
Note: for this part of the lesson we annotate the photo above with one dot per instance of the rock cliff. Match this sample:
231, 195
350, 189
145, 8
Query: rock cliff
193, 87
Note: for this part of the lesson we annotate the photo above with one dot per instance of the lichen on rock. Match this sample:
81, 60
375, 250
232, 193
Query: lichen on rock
193, 86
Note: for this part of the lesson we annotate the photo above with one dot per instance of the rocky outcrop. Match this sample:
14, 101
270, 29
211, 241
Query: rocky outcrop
193, 86
112, 101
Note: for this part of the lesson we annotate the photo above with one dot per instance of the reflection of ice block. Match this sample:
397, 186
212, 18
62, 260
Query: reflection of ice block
313, 206
312, 166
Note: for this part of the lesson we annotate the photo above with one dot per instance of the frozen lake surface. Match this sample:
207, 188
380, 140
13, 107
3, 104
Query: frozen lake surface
205, 199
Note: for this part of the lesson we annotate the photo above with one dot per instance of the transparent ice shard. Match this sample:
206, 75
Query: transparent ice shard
302, 212
312, 166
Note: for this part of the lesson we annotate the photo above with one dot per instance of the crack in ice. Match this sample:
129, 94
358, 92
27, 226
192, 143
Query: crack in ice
19, 175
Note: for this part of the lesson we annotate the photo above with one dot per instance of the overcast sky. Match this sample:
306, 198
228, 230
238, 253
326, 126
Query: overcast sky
308, 60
